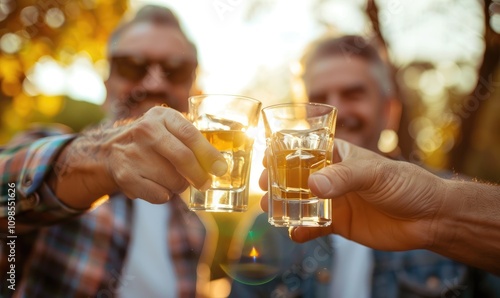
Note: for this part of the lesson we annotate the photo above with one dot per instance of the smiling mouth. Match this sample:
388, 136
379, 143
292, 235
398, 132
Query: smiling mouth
153, 101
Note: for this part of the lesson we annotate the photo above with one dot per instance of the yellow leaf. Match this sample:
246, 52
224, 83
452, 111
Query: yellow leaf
10, 68
11, 86
49, 105
23, 104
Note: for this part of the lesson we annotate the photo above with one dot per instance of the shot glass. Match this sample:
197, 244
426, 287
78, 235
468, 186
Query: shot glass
228, 122
299, 138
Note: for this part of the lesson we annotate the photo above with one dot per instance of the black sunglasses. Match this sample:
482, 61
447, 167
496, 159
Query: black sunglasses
135, 68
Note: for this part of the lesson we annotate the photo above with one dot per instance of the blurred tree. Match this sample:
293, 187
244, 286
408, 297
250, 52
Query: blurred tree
405, 143
467, 123
60, 29
477, 152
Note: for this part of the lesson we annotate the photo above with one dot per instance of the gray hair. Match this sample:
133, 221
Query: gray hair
352, 46
153, 14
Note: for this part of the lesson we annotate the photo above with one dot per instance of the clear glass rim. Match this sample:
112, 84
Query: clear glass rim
298, 104
200, 96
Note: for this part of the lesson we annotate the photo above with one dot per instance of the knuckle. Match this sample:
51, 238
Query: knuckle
187, 131
343, 174
144, 127
121, 176
389, 174
157, 110
385, 170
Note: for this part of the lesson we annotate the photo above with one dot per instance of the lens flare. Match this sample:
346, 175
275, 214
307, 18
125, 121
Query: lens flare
257, 264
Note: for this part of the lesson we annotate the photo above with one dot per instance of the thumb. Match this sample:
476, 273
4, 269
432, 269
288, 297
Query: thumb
353, 173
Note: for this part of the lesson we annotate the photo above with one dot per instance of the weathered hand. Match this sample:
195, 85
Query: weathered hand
377, 202
151, 158
159, 154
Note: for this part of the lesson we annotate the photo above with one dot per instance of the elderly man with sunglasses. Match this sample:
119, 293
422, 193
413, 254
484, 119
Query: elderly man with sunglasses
80, 233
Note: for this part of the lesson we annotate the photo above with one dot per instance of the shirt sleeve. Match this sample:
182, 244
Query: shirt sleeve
24, 191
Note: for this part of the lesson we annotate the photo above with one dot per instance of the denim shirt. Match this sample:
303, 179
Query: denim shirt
304, 271
301, 270
421, 273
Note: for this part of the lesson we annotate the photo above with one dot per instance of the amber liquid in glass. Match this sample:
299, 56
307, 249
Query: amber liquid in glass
295, 156
227, 191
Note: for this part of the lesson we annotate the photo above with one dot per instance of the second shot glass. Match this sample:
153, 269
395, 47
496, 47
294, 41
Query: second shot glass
299, 138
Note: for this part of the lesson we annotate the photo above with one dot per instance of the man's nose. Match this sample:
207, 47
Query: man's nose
155, 79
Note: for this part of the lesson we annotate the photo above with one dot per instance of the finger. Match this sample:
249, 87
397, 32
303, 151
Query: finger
185, 162
177, 140
353, 173
210, 159
264, 202
304, 234
263, 180
264, 160
164, 174
148, 182
148, 190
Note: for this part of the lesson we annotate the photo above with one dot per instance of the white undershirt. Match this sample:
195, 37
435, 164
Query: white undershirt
148, 270
352, 269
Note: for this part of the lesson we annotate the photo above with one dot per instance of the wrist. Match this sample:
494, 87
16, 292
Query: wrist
441, 232
81, 173
467, 227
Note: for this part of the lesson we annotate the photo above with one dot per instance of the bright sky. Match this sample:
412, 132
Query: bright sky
232, 50
240, 40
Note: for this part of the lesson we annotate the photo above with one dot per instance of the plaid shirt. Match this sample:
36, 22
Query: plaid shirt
75, 253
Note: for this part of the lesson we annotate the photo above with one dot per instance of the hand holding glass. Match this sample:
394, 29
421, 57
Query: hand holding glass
299, 138
227, 121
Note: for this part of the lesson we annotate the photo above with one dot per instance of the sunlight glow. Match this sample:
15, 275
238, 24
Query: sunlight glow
78, 80
242, 43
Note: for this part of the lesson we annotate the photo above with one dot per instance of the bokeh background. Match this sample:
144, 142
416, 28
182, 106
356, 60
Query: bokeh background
445, 55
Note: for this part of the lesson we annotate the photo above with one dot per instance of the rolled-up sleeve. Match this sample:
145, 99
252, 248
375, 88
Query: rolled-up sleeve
24, 169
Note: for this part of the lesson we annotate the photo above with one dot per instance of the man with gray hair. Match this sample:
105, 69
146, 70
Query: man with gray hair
348, 73
90, 206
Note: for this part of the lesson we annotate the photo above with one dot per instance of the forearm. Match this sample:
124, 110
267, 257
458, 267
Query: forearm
80, 176
468, 225
25, 164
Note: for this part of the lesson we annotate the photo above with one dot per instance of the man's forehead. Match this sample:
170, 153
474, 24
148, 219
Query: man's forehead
332, 64
141, 38
339, 73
